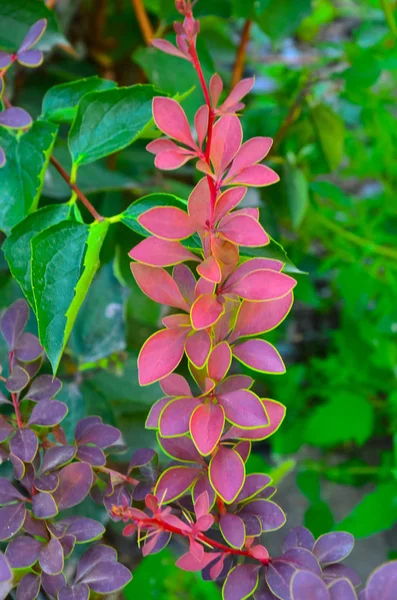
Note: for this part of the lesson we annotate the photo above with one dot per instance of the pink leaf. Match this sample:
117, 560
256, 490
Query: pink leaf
210, 269
232, 529
172, 159
202, 505
275, 412
260, 356
158, 285
227, 135
257, 176
174, 482
243, 229
219, 361
199, 204
206, 427
250, 153
254, 264
161, 253
216, 87
168, 48
175, 416
250, 211
175, 385
308, 586
206, 311
203, 485
203, 286
227, 201
197, 347
234, 383
167, 222
188, 562
227, 474
186, 283
244, 409
260, 317
244, 450
171, 120
263, 285
152, 420
161, 145
241, 89
181, 448
177, 320
201, 123
161, 354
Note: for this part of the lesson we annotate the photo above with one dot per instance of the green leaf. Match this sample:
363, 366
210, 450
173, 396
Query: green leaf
16, 18
108, 121
330, 131
99, 329
345, 418
326, 189
281, 18
22, 177
376, 512
319, 518
72, 396
61, 101
297, 193
17, 248
65, 258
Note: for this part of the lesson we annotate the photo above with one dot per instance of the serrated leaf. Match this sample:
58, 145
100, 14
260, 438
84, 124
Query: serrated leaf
61, 101
65, 258
330, 131
17, 16
17, 248
108, 121
22, 177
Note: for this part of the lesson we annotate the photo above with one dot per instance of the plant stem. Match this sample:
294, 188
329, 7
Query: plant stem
143, 21
291, 116
76, 189
14, 396
238, 67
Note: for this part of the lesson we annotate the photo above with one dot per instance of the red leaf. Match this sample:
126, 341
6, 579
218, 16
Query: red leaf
158, 285
206, 427
161, 354
227, 474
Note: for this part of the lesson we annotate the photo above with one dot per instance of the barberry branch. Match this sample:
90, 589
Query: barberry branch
238, 66
143, 21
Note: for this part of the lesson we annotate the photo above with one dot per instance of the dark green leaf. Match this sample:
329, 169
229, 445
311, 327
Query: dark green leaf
319, 518
331, 134
21, 179
281, 18
65, 258
17, 16
297, 193
60, 102
108, 121
17, 247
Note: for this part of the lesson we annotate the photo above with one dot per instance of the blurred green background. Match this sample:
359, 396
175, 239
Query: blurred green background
326, 80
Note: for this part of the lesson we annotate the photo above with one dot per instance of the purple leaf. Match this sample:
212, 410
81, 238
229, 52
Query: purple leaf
5, 571
57, 457
29, 587
156, 543
93, 557
43, 506
301, 558
254, 483
14, 321
51, 557
18, 380
34, 527
52, 583
68, 542
180, 448
342, 589
99, 434
307, 586
11, 520
382, 583
241, 582
5, 429
337, 571
232, 529
298, 537
174, 482
23, 552
48, 413
74, 592
75, 481
47, 483
18, 466
33, 35
263, 592
278, 577
333, 547
92, 455
5, 60
30, 58
24, 445
252, 524
106, 578
140, 458
8, 493
85, 424
29, 476
4, 400
83, 528
270, 514
34, 367
28, 348
15, 118
44, 387
227, 474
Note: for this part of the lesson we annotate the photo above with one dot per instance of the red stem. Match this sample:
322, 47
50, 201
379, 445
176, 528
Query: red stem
120, 475
14, 396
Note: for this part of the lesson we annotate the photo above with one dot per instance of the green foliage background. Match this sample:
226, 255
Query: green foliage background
326, 75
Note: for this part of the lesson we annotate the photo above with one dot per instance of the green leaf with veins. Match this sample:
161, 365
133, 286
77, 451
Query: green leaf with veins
65, 258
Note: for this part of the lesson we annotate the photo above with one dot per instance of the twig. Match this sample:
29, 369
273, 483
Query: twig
76, 189
143, 21
238, 67
291, 116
